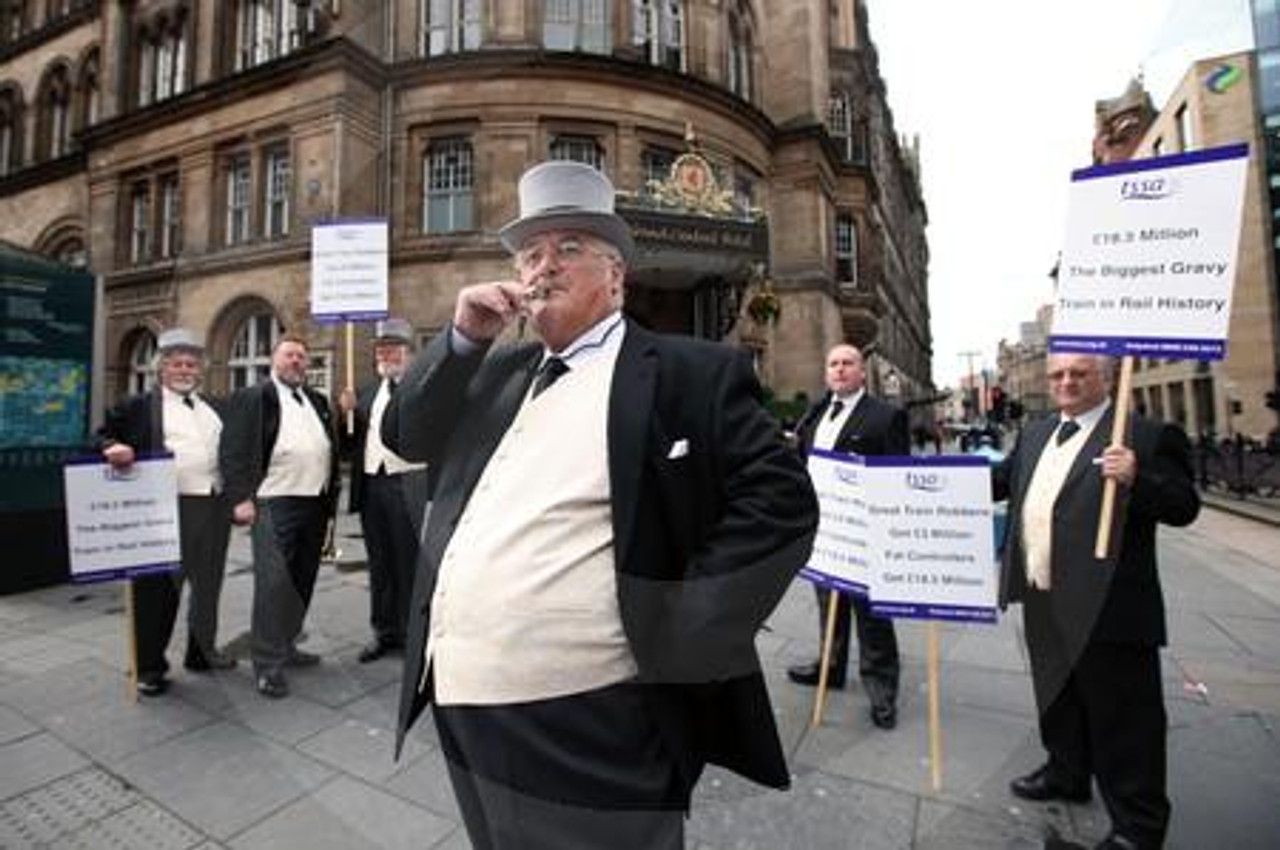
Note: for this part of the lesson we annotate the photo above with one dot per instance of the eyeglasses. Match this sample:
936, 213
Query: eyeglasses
1059, 375
566, 250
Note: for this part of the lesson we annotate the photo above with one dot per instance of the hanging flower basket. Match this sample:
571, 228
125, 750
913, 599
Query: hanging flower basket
764, 308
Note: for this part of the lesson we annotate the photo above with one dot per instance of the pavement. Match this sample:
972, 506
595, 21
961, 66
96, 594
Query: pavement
213, 765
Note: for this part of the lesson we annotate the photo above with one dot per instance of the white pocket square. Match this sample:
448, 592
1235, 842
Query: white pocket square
679, 448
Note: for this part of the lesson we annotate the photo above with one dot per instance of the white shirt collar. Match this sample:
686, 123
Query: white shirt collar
1090, 417
603, 337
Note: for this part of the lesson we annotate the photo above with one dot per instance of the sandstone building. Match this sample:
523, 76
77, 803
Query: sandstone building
183, 149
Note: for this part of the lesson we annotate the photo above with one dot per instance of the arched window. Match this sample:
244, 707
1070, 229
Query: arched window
249, 361
13, 20
10, 130
741, 49
89, 91
268, 29
657, 28
161, 59
53, 138
142, 355
449, 26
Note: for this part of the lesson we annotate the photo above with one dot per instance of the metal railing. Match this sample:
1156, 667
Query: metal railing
1238, 467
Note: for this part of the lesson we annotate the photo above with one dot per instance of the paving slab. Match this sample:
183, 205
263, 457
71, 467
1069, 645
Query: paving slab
35, 760
344, 814
223, 778
820, 812
14, 726
111, 726
362, 749
424, 781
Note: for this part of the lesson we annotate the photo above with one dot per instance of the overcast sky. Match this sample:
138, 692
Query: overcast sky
1001, 93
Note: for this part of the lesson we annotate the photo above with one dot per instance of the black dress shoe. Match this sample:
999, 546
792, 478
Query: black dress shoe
152, 685
198, 661
272, 685
807, 674
378, 648
1116, 842
298, 658
884, 716
1042, 785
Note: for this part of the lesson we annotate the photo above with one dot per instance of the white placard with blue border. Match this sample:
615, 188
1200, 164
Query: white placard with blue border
349, 276
931, 538
122, 522
1149, 259
839, 558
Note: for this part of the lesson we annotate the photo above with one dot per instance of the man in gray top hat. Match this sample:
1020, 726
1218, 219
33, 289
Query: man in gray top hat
381, 482
600, 551
175, 417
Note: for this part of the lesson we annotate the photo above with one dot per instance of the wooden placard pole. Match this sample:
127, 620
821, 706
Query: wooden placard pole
824, 662
935, 714
351, 373
1119, 427
131, 639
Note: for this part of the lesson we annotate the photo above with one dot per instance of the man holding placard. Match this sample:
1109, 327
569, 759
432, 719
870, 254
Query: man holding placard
1094, 627
847, 419
175, 417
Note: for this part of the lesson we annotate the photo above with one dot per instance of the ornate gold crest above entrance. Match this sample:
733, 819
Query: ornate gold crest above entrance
691, 186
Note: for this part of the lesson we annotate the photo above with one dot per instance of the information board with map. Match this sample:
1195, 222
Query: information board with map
42, 402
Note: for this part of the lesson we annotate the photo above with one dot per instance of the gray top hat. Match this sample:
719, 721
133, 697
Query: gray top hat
176, 339
563, 195
394, 330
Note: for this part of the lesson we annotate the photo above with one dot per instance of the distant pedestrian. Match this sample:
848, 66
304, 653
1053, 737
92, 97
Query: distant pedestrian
380, 480
176, 417
1094, 628
279, 457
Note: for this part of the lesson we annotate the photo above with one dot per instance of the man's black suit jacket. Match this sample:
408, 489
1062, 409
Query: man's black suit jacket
138, 421
250, 427
872, 428
415, 486
1116, 600
712, 517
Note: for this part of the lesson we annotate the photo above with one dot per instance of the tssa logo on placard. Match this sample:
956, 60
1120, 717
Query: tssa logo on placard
1150, 188
121, 473
926, 482
848, 475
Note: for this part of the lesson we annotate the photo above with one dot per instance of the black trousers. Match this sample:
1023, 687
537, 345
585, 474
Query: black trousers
573, 773
287, 537
204, 523
1102, 715
392, 548
878, 662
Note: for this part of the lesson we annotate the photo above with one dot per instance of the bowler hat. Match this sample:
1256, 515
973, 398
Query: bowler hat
394, 330
564, 195
176, 339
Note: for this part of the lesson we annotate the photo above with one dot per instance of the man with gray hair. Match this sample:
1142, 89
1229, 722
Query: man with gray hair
614, 516
1094, 628
381, 482
175, 417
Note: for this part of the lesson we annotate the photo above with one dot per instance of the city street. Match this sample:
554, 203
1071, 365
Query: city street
213, 765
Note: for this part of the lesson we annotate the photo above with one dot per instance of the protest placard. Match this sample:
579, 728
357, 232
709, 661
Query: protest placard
122, 522
1148, 262
349, 271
